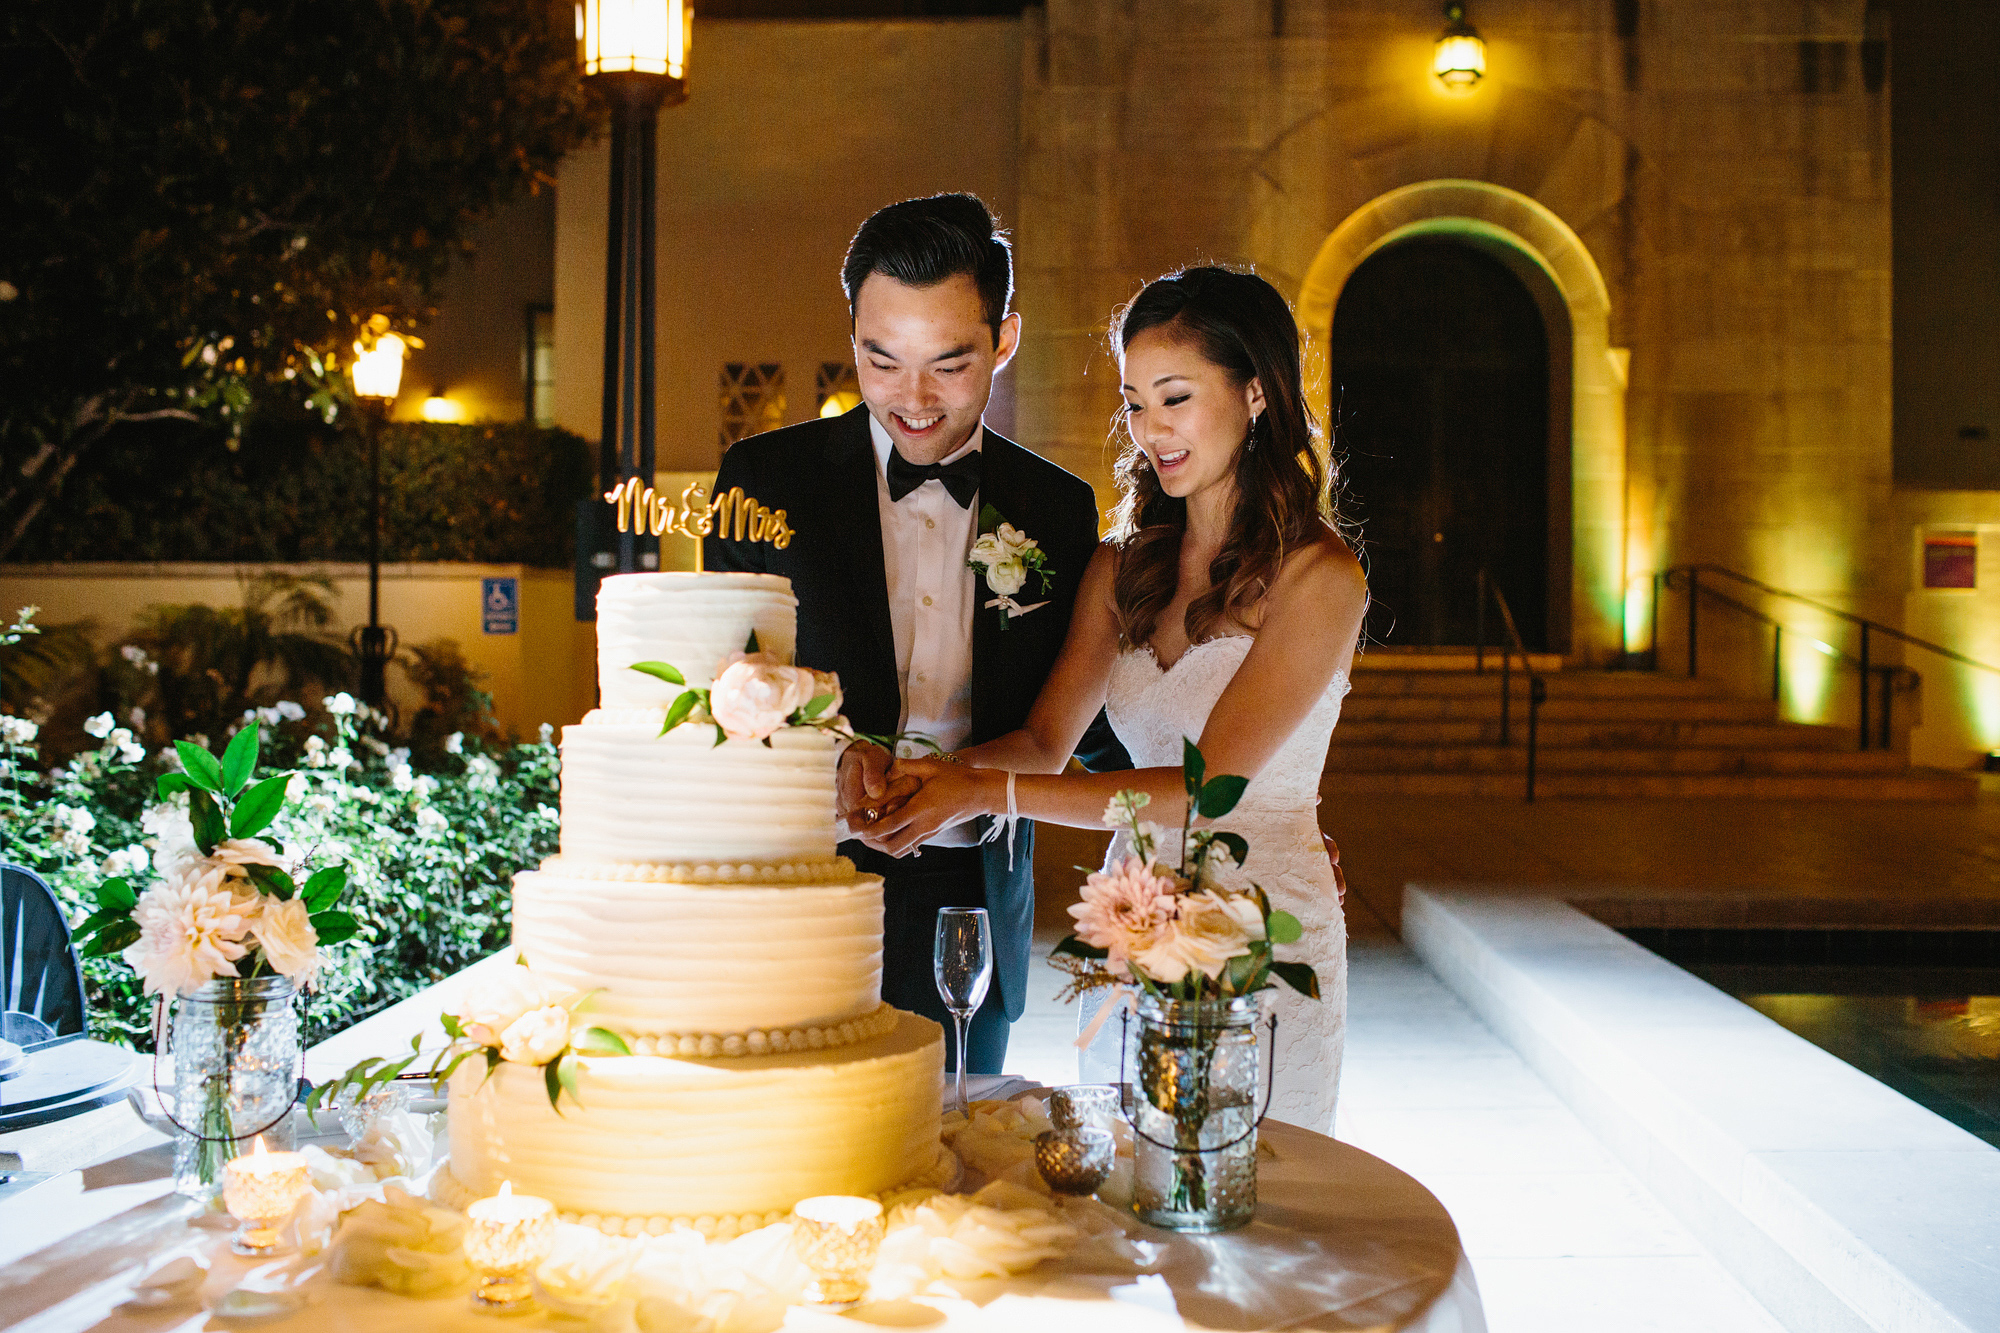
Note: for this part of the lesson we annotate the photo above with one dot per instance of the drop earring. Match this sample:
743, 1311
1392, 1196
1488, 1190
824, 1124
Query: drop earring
1252, 446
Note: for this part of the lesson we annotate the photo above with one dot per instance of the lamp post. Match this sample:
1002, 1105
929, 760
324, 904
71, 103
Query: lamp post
377, 372
636, 51
1459, 61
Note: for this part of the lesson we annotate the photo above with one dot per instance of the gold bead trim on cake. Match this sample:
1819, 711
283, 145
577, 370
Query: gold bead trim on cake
448, 1190
772, 1041
831, 871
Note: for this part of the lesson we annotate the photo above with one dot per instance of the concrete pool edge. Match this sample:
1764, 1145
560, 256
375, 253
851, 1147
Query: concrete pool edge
1839, 1203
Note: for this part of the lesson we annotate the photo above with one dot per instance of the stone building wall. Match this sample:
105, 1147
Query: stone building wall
1723, 163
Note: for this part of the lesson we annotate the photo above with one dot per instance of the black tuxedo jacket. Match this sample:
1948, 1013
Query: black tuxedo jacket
822, 474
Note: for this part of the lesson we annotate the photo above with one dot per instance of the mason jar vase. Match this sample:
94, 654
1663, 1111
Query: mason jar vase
236, 1074
1195, 1113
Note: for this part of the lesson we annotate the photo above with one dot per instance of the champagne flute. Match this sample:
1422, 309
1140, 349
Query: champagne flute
964, 962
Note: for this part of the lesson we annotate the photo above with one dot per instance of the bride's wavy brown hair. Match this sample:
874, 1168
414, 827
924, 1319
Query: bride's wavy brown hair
1239, 323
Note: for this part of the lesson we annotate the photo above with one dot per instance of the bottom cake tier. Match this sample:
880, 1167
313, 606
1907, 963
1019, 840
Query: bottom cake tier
724, 1145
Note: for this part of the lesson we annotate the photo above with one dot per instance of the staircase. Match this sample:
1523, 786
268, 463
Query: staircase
1426, 724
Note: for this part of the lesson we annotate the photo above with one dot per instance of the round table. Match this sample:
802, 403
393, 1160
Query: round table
1342, 1241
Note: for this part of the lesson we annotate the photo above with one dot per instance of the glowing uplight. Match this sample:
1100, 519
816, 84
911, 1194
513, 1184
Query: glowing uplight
378, 370
1638, 601
837, 403
1809, 673
634, 36
1459, 61
438, 407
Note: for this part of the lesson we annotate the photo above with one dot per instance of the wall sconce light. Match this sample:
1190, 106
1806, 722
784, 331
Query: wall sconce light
1460, 59
437, 407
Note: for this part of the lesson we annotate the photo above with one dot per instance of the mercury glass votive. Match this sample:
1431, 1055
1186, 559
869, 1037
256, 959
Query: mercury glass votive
260, 1189
1075, 1161
505, 1237
1084, 1106
836, 1236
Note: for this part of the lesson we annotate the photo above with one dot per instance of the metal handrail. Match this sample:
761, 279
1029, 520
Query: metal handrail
1538, 689
1880, 731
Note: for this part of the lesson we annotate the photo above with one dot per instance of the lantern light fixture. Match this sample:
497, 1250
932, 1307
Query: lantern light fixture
1459, 62
378, 371
636, 37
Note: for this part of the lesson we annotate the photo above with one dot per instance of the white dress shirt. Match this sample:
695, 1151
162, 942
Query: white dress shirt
933, 595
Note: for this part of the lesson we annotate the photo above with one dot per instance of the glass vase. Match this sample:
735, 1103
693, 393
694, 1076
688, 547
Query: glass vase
236, 1074
1195, 1112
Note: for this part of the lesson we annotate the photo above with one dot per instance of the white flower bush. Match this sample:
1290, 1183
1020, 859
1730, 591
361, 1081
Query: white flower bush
430, 854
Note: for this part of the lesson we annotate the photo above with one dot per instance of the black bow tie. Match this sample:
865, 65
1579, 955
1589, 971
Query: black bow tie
960, 477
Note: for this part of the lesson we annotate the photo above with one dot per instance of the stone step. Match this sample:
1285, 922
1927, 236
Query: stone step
1444, 707
1443, 659
1360, 759
1927, 785
1561, 685
1617, 734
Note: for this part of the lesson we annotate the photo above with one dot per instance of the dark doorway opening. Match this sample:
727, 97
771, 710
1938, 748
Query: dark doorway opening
1454, 438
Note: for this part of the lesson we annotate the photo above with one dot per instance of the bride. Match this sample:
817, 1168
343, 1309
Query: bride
1224, 607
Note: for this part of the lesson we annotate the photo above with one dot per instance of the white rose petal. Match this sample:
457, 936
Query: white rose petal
536, 1037
1007, 577
99, 726
284, 930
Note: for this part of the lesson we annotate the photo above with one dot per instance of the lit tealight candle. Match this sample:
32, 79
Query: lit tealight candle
260, 1189
837, 1236
506, 1236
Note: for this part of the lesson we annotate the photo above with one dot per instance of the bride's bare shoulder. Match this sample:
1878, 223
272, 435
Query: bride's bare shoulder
1325, 568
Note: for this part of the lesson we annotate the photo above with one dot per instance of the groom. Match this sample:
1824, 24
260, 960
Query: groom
884, 504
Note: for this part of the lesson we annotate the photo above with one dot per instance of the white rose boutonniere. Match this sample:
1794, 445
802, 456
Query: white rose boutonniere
1006, 556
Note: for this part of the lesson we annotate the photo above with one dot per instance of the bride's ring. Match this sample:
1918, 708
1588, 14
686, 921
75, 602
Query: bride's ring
871, 814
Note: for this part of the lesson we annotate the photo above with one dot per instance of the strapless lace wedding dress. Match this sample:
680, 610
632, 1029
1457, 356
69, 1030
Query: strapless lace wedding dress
1151, 710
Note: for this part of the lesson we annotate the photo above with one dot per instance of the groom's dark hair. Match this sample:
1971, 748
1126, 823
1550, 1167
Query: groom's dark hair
922, 242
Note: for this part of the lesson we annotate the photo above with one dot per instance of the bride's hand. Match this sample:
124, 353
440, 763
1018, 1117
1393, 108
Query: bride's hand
951, 793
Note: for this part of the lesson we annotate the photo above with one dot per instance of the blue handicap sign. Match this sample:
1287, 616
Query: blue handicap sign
500, 605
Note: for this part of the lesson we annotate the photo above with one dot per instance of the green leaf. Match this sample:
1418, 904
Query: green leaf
202, 769
587, 1001
115, 894
170, 783
111, 939
259, 806
720, 735
333, 927
599, 1041
1076, 948
814, 707
750, 644
989, 519
271, 880
452, 1027
1240, 972
1298, 976
442, 1075
552, 1080
239, 761
566, 1071
1192, 767
1220, 795
1238, 848
1283, 928
677, 713
206, 816
660, 671
323, 890
95, 922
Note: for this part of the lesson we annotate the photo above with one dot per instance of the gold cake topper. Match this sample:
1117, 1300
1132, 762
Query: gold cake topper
732, 515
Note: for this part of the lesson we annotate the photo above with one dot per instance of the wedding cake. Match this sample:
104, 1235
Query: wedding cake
698, 900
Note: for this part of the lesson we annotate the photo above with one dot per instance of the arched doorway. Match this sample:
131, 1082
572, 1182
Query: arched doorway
1439, 362
1593, 540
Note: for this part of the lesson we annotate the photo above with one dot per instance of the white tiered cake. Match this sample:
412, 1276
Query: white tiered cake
698, 893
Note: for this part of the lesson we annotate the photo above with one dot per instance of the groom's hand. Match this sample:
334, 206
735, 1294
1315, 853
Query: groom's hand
863, 785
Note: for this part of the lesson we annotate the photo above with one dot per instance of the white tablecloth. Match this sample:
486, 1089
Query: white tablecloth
1342, 1241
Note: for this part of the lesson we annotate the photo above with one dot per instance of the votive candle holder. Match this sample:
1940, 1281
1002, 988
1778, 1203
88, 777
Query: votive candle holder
505, 1237
260, 1189
837, 1236
1075, 1161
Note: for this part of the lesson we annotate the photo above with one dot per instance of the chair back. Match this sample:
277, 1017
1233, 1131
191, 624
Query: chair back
41, 981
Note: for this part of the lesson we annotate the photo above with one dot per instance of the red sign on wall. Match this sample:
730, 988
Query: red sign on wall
1951, 560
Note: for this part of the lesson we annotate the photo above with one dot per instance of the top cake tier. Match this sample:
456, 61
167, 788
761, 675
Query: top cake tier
689, 621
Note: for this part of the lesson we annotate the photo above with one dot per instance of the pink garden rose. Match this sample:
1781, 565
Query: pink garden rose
189, 934
754, 693
1125, 911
